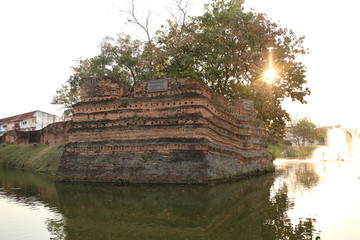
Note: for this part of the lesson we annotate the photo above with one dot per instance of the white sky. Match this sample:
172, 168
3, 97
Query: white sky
40, 39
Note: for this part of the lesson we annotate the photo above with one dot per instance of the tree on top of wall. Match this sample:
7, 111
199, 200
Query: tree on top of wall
226, 47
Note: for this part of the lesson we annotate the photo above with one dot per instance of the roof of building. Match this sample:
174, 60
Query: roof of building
18, 117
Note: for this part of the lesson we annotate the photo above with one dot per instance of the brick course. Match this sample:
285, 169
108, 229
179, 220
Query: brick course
167, 130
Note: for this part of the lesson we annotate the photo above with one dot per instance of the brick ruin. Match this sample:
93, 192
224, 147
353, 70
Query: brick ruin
166, 130
51, 134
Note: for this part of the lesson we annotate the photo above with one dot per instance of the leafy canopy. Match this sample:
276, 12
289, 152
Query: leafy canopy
305, 131
226, 47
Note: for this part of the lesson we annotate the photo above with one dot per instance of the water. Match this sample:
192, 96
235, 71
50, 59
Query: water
301, 200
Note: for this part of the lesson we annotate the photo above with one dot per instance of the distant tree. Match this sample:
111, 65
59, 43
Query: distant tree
321, 133
304, 131
225, 47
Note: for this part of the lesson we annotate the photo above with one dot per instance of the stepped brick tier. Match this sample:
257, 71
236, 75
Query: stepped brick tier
165, 131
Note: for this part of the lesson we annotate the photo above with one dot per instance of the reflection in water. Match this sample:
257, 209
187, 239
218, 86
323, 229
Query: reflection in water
229, 211
275, 206
297, 176
27, 203
56, 226
279, 225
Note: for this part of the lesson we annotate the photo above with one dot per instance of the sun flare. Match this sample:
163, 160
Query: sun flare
270, 75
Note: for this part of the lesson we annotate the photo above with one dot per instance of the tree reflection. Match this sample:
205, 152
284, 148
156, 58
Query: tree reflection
57, 228
300, 176
307, 175
279, 225
239, 210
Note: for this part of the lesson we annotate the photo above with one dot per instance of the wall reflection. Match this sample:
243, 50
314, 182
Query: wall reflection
249, 209
165, 212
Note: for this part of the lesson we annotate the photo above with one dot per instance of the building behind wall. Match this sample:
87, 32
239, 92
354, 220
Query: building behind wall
2, 128
29, 121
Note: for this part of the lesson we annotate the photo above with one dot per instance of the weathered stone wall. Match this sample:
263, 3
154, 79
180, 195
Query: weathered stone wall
55, 133
20, 137
167, 130
52, 134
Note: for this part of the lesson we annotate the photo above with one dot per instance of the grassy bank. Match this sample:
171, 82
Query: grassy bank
39, 158
286, 151
46, 158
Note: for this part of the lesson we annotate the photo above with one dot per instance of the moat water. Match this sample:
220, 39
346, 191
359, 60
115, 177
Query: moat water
301, 200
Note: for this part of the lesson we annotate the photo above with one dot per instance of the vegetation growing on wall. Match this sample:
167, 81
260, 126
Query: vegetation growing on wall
226, 47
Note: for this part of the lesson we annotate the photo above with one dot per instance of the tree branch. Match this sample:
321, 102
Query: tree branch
180, 20
136, 21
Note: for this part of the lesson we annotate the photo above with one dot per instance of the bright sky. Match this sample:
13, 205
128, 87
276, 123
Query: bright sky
40, 39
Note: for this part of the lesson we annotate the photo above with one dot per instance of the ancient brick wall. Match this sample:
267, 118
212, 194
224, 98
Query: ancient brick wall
52, 134
55, 133
20, 137
167, 130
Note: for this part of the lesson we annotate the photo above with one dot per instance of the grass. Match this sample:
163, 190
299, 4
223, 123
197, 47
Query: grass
286, 151
39, 158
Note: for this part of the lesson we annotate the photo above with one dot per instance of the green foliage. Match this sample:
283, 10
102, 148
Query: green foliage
39, 158
299, 152
229, 49
226, 47
68, 95
321, 133
304, 130
277, 151
293, 152
119, 58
